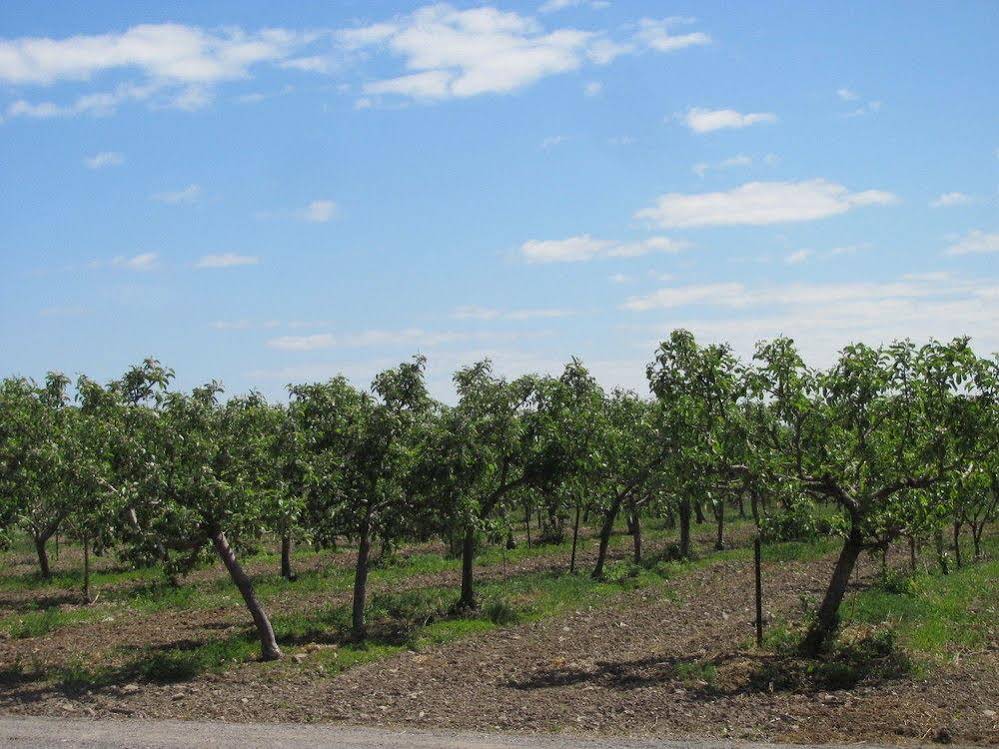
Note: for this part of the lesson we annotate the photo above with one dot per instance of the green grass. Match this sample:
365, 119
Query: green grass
38, 623
936, 615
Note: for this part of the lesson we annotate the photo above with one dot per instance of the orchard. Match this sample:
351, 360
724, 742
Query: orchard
890, 443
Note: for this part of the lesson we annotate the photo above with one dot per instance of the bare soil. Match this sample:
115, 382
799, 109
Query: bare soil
627, 667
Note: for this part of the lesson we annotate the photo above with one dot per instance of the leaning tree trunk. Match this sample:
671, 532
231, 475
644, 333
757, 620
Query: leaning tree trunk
361, 580
286, 572
828, 616
610, 515
912, 553
467, 599
269, 649
43, 556
685, 528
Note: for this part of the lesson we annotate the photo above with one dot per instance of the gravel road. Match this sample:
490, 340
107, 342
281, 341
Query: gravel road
161, 734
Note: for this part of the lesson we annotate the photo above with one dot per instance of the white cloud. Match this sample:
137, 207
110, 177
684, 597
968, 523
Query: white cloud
145, 261
450, 53
593, 88
104, 159
225, 260
619, 278
462, 53
655, 35
553, 140
759, 203
797, 257
585, 247
948, 199
182, 63
702, 120
188, 194
319, 211
168, 52
975, 242
847, 94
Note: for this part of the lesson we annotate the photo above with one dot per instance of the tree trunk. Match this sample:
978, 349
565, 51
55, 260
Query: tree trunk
527, 522
467, 599
286, 572
912, 553
742, 506
976, 537
699, 512
575, 538
605, 533
941, 553
43, 557
685, 528
357, 627
86, 570
269, 649
957, 545
758, 576
828, 616
720, 517
636, 536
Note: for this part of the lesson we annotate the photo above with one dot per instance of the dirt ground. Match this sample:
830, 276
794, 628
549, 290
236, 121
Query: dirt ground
613, 669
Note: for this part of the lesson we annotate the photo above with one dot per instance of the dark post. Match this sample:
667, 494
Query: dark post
759, 591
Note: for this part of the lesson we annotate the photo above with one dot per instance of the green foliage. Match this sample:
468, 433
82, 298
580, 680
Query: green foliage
799, 522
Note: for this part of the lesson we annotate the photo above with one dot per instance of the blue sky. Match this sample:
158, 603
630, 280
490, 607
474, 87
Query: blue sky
267, 193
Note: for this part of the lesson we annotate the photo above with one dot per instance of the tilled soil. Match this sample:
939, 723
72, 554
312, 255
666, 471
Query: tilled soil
614, 669
114, 638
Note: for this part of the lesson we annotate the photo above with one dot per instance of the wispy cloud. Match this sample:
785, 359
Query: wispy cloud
187, 194
975, 242
104, 159
225, 260
948, 199
319, 211
473, 312
584, 247
145, 261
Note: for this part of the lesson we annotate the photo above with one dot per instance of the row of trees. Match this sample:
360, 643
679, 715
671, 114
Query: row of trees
900, 439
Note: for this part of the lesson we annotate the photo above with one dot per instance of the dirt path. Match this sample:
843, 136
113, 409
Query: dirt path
37, 732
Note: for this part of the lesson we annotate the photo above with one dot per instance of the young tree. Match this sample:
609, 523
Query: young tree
880, 422
487, 454
697, 390
37, 493
210, 485
362, 448
632, 452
